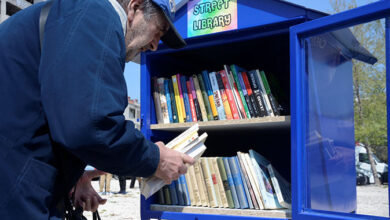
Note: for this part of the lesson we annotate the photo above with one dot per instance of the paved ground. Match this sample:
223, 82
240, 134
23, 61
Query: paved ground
371, 201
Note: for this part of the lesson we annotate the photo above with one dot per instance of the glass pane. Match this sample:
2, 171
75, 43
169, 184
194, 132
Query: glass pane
345, 113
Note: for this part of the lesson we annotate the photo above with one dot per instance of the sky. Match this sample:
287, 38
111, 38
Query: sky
132, 70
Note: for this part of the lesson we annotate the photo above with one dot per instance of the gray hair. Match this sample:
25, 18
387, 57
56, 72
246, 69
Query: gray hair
148, 7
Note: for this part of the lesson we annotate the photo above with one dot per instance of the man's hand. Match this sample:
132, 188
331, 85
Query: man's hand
85, 195
171, 164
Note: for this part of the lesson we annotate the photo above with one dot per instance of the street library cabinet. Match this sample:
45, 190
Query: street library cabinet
302, 59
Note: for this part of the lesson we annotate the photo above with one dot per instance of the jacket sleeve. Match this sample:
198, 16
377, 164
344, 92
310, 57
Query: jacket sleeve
84, 92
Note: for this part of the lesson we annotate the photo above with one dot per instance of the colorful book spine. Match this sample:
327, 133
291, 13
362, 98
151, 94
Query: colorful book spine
246, 96
235, 72
177, 99
238, 183
196, 101
191, 100
157, 103
182, 106
168, 97
229, 95
267, 103
200, 98
257, 94
217, 96
185, 98
250, 94
210, 94
236, 96
205, 98
224, 98
173, 102
231, 182
225, 182
274, 103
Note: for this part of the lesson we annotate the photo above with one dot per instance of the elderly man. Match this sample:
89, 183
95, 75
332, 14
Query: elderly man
62, 102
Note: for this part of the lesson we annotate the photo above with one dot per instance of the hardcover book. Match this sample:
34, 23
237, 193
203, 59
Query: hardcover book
224, 98
205, 97
209, 90
235, 71
238, 183
231, 182
200, 98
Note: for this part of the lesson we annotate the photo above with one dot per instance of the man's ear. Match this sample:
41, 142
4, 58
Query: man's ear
132, 7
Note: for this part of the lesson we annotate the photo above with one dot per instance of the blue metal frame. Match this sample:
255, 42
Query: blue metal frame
298, 33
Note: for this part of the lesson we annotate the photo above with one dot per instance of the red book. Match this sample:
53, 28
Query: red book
229, 94
192, 106
239, 101
250, 93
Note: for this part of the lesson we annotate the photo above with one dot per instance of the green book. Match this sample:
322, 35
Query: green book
167, 196
234, 69
226, 186
205, 98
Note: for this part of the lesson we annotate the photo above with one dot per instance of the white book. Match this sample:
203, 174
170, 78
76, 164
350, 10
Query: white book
182, 136
191, 146
163, 100
253, 179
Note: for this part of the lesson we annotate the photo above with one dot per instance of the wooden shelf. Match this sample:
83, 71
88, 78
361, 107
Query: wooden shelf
254, 123
281, 213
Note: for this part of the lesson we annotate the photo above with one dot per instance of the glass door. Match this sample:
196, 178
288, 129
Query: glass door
325, 54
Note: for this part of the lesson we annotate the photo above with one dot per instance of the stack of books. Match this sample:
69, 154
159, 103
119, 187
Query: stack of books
245, 181
188, 142
232, 93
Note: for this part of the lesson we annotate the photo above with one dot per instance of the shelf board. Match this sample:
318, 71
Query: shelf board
280, 213
253, 123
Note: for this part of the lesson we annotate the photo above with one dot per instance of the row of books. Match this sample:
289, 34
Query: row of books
189, 142
232, 93
245, 181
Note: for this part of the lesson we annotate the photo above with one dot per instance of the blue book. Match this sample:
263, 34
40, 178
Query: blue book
217, 96
186, 100
231, 182
238, 183
186, 194
179, 192
172, 192
168, 96
248, 196
207, 82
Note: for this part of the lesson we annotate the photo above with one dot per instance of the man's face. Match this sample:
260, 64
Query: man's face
143, 35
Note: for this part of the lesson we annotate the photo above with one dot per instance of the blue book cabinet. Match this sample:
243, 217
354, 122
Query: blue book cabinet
309, 57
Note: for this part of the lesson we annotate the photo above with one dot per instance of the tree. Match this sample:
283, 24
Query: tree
369, 85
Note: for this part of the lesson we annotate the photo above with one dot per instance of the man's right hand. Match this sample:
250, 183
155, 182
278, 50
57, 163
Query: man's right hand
171, 164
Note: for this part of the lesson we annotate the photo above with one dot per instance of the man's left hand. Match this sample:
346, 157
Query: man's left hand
85, 195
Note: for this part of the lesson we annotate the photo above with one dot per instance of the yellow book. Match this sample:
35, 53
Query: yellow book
181, 98
177, 99
209, 183
201, 184
213, 108
221, 189
194, 185
214, 181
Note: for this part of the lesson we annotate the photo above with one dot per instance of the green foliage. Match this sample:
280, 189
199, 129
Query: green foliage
369, 82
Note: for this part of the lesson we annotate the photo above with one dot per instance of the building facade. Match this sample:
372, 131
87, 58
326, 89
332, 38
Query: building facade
132, 112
